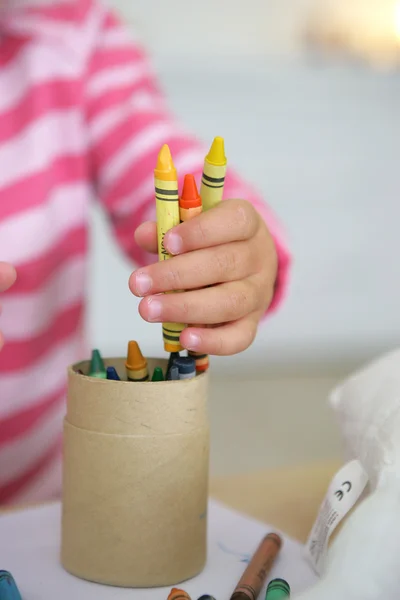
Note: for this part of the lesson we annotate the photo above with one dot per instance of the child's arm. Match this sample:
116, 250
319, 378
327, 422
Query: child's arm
128, 122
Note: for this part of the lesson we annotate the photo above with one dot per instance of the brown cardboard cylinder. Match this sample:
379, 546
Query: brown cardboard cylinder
135, 480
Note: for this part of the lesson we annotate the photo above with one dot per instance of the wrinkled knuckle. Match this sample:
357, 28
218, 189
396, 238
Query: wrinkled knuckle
185, 308
174, 279
238, 303
244, 216
202, 233
226, 264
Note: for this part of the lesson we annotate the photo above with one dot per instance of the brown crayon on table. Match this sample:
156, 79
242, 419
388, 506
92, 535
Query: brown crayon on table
136, 364
177, 594
256, 573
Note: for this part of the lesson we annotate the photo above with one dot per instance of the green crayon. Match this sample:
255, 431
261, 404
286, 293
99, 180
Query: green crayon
158, 374
278, 589
97, 368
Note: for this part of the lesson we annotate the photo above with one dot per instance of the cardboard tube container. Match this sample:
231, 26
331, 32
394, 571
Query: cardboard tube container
135, 482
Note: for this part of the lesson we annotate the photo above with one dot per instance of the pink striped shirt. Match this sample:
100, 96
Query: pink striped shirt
81, 118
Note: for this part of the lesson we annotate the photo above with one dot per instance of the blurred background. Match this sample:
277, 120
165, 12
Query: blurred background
307, 96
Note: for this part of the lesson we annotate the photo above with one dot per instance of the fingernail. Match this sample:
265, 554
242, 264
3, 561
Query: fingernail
143, 283
154, 309
173, 243
193, 341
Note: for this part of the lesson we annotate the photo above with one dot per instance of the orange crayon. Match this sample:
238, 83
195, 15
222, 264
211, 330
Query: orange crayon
190, 206
190, 202
136, 364
177, 594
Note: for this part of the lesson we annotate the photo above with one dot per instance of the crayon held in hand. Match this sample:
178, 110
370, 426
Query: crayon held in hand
190, 206
257, 571
214, 171
278, 589
112, 374
97, 368
136, 364
177, 594
211, 193
167, 212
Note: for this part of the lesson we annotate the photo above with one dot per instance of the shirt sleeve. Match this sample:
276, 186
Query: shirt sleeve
128, 121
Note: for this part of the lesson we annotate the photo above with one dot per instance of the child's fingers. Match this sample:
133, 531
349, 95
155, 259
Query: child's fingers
8, 275
230, 221
218, 304
225, 340
198, 269
146, 237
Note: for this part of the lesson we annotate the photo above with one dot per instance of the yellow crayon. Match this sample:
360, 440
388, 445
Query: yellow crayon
167, 211
213, 178
167, 198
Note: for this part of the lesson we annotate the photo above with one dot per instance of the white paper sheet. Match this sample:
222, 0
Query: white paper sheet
30, 541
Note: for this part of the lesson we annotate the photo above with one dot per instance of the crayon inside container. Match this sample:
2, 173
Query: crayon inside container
135, 478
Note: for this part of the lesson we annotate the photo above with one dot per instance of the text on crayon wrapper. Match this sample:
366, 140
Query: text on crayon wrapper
344, 490
164, 252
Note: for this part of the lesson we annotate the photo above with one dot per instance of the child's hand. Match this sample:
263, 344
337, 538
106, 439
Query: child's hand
230, 246
8, 276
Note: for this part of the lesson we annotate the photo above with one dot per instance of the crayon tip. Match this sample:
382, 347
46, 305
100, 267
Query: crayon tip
112, 374
97, 368
173, 374
216, 155
165, 168
190, 197
158, 374
135, 359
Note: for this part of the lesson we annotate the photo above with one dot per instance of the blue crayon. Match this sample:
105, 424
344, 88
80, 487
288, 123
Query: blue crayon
112, 374
8, 587
186, 367
173, 374
206, 597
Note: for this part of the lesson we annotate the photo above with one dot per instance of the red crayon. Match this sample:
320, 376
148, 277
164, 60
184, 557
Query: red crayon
190, 202
190, 206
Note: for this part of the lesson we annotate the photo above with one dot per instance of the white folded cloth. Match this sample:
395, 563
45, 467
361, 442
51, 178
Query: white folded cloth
363, 560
